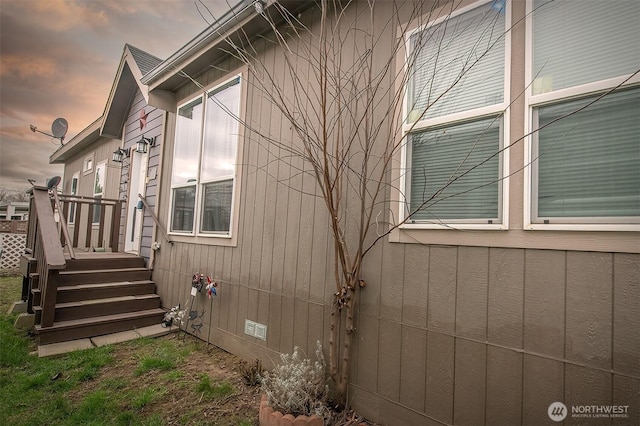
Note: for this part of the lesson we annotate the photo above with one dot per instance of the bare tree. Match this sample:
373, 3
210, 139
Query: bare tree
348, 113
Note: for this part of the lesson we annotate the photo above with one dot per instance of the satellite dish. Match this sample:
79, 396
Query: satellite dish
59, 128
53, 182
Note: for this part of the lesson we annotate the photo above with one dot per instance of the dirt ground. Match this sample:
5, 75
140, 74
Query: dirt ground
181, 404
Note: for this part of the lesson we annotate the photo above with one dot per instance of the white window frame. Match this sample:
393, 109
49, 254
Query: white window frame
100, 166
87, 164
222, 238
72, 205
534, 101
496, 110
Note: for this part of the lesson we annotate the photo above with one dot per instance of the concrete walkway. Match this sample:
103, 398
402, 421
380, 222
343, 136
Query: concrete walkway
62, 348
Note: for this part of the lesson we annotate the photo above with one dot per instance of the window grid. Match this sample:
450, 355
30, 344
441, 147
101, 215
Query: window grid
212, 171
489, 108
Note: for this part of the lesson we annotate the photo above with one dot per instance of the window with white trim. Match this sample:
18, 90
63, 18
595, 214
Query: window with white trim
585, 145
98, 190
455, 117
204, 162
73, 190
87, 164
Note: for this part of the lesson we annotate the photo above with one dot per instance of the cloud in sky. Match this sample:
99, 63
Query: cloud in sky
58, 58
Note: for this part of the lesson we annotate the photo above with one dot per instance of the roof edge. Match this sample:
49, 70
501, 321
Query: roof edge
86, 136
171, 64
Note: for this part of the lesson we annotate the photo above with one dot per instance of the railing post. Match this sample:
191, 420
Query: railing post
115, 226
49, 298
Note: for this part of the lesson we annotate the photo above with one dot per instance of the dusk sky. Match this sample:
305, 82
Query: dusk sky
58, 58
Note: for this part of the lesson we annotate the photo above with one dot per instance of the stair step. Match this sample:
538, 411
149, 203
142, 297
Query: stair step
107, 261
106, 306
90, 327
80, 292
94, 276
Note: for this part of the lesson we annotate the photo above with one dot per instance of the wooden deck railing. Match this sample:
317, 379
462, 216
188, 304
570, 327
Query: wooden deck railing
47, 237
13, 226
43, 242
93, 222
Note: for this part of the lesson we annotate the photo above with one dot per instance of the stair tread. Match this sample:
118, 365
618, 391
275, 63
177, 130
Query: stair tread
102, 300
107, 300
101, 319
97, 271
105, 284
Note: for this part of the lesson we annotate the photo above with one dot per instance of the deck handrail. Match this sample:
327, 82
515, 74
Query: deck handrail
48, 229
44, 242
73, 208
155, 218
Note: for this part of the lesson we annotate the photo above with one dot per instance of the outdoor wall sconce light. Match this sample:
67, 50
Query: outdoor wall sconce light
141, 145
120, 154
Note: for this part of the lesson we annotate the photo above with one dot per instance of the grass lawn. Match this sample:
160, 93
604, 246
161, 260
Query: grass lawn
173, 380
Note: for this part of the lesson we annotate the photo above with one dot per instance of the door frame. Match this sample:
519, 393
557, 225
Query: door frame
135, 216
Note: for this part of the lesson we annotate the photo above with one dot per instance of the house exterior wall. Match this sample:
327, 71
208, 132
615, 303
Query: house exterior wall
477, 327
100, 151
132, 133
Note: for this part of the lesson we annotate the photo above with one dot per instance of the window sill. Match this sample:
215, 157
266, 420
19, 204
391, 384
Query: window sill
582, 227
544, 238
456, 226
204, 239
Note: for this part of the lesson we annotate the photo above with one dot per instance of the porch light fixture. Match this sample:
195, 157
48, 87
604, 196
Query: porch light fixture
120, 154
141, 145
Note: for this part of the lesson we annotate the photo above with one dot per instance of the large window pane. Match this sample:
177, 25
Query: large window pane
469, 151
216, 206
187, 143
459, 64
589, 162
184, 200
221, 132
582, 41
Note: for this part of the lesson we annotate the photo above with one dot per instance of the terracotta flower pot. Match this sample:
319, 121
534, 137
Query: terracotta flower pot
269, 417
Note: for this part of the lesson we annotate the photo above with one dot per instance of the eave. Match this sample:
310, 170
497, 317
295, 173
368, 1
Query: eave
79, 142
123, 91
210, 47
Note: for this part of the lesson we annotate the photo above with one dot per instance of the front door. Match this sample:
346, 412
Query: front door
137, 185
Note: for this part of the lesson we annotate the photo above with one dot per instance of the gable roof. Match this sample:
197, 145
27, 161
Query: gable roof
133, 65
145, 61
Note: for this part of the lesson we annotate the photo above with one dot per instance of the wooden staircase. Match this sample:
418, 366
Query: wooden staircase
99, 293
74, 291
